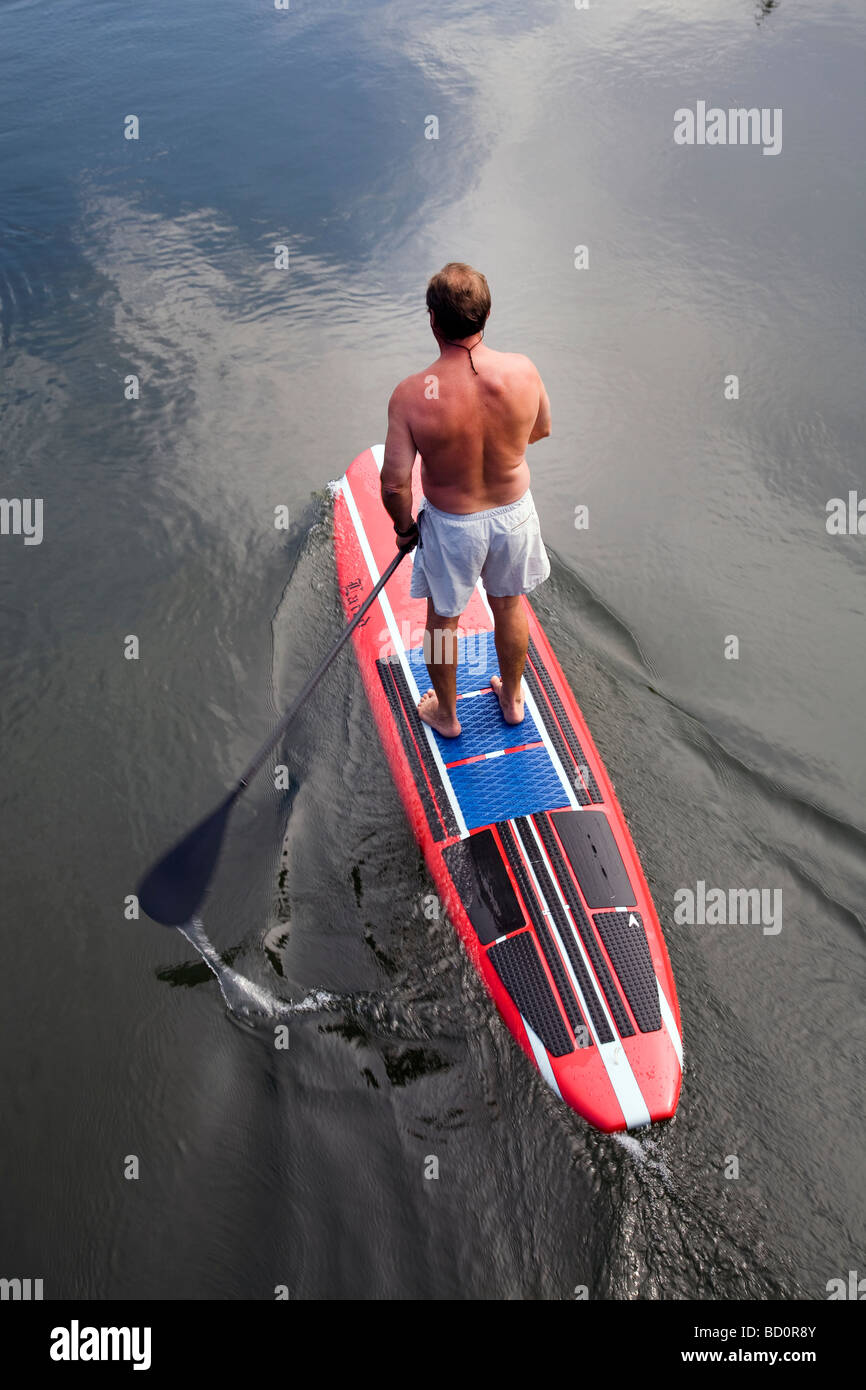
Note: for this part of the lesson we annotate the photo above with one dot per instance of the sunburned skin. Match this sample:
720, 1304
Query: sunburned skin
473, 433
470, 415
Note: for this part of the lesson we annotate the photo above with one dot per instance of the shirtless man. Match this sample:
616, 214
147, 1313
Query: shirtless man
470, 415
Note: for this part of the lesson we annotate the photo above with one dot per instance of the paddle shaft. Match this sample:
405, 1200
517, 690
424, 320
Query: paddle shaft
175, 887
320, 670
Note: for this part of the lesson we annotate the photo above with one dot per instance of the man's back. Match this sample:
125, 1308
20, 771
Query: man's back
472, 430
470, 415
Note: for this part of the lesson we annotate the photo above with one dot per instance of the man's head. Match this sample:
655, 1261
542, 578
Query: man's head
458, 298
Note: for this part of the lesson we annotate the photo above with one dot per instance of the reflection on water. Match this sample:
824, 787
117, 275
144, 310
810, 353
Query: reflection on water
155, 260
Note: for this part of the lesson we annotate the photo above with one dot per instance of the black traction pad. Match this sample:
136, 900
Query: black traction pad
563, 926
388, 685
519, 967
624, 1025
567, 729
625, 942
408, 716
482, 881
594, 855
545, 938
556, 736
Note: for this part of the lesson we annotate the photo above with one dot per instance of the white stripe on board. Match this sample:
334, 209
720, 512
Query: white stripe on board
541, 1057
613, 1056
670, 1023
400, 649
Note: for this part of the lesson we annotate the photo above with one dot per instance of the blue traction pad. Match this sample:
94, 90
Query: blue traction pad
476, 663
499, 788
484, 730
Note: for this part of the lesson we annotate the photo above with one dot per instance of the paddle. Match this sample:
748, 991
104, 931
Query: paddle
173, 890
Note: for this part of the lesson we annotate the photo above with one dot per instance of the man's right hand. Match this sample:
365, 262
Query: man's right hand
409, 542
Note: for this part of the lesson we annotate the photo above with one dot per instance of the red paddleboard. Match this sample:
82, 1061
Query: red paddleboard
523, 837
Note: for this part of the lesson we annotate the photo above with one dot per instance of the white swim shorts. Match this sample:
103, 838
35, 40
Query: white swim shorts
503, 546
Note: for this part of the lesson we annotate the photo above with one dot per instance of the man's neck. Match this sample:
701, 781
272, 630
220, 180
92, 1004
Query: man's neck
450, 349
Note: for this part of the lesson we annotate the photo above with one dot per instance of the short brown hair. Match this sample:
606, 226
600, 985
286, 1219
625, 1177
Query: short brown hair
460, 298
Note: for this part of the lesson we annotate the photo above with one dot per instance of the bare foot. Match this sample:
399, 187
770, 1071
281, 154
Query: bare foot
512, 710
428, 709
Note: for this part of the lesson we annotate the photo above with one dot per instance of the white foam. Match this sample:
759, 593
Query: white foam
243, 996
642, 1155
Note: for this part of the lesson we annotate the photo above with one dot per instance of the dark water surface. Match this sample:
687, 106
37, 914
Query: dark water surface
305, 1167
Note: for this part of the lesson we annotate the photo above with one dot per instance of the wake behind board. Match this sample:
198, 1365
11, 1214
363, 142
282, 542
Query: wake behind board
523, 837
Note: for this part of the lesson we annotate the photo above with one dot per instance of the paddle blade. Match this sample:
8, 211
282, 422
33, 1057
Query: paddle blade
174, 889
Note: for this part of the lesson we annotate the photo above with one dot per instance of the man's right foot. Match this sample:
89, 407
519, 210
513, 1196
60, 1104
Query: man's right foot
428, 709
512, 710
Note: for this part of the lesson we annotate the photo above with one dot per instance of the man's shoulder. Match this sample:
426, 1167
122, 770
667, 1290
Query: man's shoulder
405, 390
518, 361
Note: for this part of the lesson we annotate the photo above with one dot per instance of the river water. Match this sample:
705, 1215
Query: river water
154, 257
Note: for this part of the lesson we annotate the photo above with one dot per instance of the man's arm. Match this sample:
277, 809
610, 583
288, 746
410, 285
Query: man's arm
396, 479
541, 428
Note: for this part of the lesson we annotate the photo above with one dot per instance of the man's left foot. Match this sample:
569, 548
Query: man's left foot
428, 709
512, 710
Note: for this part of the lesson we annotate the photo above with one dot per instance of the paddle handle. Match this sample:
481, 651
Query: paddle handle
320, 670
